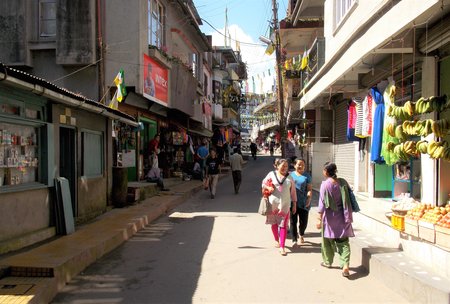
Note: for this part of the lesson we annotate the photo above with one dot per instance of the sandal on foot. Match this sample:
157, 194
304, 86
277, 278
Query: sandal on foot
345, 273
323, 264
283, 252
277, 245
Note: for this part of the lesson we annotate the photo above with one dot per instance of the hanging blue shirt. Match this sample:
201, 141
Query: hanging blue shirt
301, 187
377, 128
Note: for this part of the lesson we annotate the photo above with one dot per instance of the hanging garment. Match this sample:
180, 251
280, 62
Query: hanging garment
351, 122
367, 116
359, 116
388, 96
377, 127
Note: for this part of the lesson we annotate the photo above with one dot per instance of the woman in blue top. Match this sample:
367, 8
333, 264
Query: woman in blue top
303, 187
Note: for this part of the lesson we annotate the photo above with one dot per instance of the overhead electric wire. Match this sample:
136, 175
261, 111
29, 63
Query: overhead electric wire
241, 42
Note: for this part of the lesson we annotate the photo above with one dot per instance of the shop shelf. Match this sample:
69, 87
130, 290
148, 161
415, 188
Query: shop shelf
427, 231
411, 227
443, 237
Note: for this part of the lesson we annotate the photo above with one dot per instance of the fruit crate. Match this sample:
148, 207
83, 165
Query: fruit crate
411, 227
443, 236
398, 222
427, 231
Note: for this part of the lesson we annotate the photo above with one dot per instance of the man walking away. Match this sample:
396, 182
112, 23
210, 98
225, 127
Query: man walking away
236, 162
202, 154
253, 149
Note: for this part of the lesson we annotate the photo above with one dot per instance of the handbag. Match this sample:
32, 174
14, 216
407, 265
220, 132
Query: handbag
351, 195
265, 207
353, 201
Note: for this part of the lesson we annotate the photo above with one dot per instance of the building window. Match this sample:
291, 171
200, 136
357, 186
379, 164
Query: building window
205, 85
341, 9
92, 145
155, 23
47, 18
194, 65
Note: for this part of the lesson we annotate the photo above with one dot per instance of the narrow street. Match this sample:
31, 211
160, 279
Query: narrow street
220, 251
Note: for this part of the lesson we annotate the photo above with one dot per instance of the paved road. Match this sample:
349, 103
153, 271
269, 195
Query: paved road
220, 251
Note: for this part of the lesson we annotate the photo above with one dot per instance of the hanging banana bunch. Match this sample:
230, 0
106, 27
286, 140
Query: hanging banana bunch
390, 129
409, 127
390, 146
433, 103
423, 127
440, 127
399, 134
447, 154
437, 149
422, 146
409, 147
403, 113
400, 153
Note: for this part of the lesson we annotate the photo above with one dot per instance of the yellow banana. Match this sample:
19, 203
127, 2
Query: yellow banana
431, 147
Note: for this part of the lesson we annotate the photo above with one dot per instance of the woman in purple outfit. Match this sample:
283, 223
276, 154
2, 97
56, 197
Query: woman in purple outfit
335, 218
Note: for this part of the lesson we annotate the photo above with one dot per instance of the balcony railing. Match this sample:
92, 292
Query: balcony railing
316, 60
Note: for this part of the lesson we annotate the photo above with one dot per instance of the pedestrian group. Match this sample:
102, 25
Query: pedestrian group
289, 195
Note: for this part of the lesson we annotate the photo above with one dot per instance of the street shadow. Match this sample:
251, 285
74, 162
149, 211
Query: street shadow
164, 253
357, 273
251, 247
162, 263
307, 247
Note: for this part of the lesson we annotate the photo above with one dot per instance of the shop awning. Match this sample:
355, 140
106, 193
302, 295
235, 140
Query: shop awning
61, 95
204, 132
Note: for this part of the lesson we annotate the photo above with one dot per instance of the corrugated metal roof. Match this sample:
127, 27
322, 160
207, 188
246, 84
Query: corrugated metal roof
48, 85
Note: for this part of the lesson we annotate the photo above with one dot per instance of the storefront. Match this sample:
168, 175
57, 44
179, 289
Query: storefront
48, 134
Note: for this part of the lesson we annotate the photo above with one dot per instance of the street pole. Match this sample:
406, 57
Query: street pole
279, 76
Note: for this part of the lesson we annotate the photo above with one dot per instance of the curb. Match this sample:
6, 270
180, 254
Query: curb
114, 228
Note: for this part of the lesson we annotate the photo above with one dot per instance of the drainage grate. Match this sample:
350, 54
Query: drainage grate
31, 272
15, 289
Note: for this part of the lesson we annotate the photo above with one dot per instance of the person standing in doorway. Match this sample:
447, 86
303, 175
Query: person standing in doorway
335, 219
282, 194
153, 151
202, 154
212, 172
303, 189
236, 162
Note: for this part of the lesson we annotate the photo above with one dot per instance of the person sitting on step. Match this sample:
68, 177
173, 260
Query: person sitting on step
154, 176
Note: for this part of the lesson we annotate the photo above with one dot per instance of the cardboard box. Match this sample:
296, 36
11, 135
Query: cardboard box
443, 237
412, 227
427, 231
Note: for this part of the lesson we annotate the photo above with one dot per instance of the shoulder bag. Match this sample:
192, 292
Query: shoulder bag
265, 207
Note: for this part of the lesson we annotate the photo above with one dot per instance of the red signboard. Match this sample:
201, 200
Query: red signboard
156, 81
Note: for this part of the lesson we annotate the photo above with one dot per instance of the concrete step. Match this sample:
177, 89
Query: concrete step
385, 259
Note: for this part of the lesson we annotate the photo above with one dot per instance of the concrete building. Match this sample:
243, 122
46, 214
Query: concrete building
82, 45
229, 71
351, 47
47, 132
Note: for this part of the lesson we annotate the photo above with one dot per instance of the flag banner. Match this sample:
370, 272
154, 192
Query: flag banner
119, 81
270, 49
114, 104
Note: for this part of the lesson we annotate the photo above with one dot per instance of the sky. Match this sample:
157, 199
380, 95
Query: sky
247, 20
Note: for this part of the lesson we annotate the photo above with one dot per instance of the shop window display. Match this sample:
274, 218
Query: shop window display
19, 157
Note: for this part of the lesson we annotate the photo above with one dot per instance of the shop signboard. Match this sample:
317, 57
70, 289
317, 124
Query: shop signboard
156, 81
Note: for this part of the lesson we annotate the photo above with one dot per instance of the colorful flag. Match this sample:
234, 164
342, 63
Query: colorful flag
120, 84
113, 104
270, 49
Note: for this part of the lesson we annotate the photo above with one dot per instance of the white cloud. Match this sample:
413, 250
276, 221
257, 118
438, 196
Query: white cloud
258, 63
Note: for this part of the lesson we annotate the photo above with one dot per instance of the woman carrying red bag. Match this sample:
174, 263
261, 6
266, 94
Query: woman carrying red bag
280, 188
